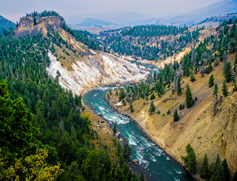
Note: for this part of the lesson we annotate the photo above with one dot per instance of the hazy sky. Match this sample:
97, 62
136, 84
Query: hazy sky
14, 9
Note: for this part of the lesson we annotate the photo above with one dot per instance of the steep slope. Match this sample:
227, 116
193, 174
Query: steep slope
93, 70
5, 24
78, 67
210, 126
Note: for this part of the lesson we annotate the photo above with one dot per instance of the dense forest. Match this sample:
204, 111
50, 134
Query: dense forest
203, 58
42, 126
148, 42
5, 24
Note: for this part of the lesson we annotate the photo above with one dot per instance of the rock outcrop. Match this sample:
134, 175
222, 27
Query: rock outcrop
216, 103
26, 25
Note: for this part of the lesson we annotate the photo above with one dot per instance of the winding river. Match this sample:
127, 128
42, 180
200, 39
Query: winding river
155, 163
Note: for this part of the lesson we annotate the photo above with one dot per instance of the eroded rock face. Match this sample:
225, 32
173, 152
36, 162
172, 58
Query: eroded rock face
215, 105
96, 70
230, 132
26, 25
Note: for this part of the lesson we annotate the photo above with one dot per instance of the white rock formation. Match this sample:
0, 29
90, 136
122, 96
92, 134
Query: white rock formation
91, 72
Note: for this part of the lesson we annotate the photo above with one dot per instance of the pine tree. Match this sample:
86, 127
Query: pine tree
215, 92
152, 107
142, 177
189, 97
152, 97
226, 170
192, 78
224, 89
127, 151
234, 178
115, 128
131, 108
211, 81
176, 116
204, 173
190, 159
235, 65
235, 86
124, 103
192, 163
218, 173
121, 94
228, 72
35, 21
16, 126
179, 89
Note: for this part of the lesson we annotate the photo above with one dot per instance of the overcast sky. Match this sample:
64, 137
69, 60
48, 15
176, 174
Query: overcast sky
14, 9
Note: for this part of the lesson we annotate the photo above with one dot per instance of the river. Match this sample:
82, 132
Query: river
155, 163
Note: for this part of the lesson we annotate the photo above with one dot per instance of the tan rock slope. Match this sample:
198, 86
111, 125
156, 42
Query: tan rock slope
210, 126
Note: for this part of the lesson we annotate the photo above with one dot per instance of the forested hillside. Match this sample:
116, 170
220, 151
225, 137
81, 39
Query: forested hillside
151, 42
193, 101
5, 24
42, 123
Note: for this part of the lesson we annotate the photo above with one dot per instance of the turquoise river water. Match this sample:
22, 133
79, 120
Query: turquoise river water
155, 163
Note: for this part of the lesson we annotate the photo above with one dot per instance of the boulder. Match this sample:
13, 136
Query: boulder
117, 134
135, 161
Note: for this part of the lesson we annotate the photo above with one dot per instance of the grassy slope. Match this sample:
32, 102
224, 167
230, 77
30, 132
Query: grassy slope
197, 125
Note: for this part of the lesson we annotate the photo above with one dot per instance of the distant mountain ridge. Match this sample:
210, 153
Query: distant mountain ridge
5, 24
95, 22
124, 19
194, 17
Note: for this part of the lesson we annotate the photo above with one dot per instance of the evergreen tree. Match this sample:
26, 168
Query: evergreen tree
235, 86
190, 159
226, 170
142, 177
192, 78
115, 128
35, 21
152, 97
192, 163
131, 108
218, 173
17, 133
228, 72
121, 94
215, 92
235, 65
204, 173
224, 89
179, 89
127, 151
124, 103
211, 81
152, 107
176, 116
189, 97
234, 178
